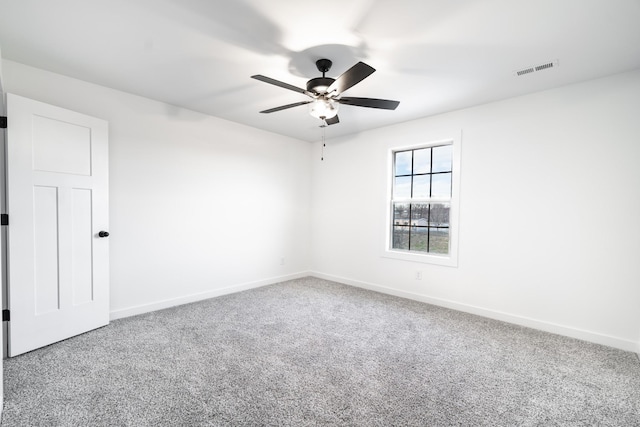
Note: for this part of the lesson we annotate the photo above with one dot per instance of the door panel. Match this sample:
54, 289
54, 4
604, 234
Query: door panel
61, 147
45, 249
57, 178
81, 245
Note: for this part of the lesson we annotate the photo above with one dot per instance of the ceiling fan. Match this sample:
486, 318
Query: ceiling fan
326, 93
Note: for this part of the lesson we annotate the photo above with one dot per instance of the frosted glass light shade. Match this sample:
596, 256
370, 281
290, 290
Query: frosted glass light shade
323, 108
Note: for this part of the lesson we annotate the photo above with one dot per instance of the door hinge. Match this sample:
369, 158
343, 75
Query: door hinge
6, 315
3, 122
4, 219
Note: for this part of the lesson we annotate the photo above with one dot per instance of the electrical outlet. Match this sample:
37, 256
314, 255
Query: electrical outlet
418, 275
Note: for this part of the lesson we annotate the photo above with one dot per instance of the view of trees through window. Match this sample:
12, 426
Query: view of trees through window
421, 199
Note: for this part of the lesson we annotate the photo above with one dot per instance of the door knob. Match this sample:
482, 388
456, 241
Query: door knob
103, 234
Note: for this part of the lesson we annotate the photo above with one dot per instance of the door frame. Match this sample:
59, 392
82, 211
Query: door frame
3, 234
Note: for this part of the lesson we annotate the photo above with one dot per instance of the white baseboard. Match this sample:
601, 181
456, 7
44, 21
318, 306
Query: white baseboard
186, 299
594, 337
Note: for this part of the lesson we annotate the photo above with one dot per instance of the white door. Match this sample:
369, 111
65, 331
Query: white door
57, 201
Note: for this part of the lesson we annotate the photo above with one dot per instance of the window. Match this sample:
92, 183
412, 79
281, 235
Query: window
422, 226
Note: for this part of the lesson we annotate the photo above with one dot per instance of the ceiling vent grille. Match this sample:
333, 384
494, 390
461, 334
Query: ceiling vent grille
536, 68
525, 71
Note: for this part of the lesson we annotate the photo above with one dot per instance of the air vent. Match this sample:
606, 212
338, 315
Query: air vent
525, 71
536, 68
544, 66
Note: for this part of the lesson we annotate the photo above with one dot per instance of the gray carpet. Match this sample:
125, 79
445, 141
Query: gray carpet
310, 352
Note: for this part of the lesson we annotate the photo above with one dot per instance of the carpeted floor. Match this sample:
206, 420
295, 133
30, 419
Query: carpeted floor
311, 352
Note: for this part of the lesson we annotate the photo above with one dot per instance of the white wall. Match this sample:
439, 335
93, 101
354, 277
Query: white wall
199, 206
549, 214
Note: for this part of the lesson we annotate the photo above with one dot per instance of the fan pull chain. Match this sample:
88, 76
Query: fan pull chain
323, 145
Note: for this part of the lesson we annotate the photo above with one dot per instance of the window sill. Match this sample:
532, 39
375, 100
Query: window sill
444, 260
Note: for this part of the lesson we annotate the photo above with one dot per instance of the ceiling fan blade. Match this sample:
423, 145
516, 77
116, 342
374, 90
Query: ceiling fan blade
332, 121
351, 77
279, 83
384, 104
284, 107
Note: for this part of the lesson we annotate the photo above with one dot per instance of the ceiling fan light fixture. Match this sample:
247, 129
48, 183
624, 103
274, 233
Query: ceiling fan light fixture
323, 108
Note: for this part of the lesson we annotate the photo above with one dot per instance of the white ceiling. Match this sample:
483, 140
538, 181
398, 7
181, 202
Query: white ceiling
431, 55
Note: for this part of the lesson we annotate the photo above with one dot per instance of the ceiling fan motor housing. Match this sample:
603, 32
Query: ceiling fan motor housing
319, 85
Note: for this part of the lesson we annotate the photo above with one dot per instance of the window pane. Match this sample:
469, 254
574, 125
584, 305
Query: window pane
439, 215
439, 240
420, 214
402, 187
422, 161
442, 158
401, 214
400, 238
441, 185
419, 239
403, 163
421, 186
419, 224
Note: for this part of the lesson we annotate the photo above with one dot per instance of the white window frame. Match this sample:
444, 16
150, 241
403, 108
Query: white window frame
450, 260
